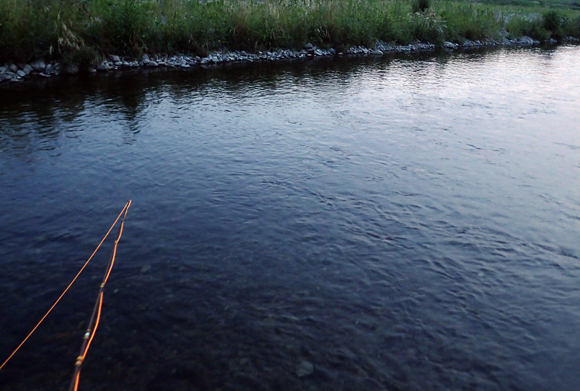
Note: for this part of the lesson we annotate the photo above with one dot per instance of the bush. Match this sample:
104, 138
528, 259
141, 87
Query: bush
427, 27
553, 22
573, 27
519, 26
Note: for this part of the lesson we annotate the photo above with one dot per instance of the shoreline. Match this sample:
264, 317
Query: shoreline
11, 72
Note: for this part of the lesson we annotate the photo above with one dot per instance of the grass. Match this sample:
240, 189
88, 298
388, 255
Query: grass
81, 31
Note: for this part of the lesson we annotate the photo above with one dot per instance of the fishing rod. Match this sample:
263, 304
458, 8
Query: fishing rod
96, 315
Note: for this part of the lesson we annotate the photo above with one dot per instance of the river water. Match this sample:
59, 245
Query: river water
404, 223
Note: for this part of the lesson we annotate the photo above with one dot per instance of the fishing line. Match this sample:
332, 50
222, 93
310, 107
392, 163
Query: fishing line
97, 310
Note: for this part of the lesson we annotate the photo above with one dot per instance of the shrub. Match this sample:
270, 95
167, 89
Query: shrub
573, 27
519, 26
553, 21
427, 27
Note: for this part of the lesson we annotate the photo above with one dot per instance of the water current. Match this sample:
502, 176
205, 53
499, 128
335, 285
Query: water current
397, 223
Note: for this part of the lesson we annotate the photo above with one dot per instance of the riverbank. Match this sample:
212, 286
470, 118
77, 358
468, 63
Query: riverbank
13, 72
50, 37
39, 68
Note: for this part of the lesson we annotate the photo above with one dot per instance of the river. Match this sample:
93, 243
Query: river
396, 223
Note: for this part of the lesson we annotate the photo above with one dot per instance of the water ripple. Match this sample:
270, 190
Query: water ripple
403, 224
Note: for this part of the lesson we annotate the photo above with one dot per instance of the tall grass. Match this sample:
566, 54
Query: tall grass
470, 21
82, 30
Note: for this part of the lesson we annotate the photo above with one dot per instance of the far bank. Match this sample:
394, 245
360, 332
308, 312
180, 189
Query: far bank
68, 35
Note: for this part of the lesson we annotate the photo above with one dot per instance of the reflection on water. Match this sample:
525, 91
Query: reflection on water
404, 223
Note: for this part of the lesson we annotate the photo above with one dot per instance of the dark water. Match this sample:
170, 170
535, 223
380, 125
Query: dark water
401, 224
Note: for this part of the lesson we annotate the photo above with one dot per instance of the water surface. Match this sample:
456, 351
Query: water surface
400, 223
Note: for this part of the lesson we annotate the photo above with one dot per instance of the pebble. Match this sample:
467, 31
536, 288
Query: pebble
104, 66
304, 368
39, 66
526, 41
145, 268
450, 45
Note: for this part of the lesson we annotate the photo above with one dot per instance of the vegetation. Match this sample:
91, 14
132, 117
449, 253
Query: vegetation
82, 30
421, 5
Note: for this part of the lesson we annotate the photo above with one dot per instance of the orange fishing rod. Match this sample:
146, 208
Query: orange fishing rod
96, 316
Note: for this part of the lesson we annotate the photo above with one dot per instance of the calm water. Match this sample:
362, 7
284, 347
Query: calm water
400, 224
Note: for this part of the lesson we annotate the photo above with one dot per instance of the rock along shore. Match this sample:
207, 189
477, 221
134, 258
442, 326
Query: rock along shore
39, 68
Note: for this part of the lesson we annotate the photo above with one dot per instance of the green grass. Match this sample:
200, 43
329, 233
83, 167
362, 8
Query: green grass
80, 31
